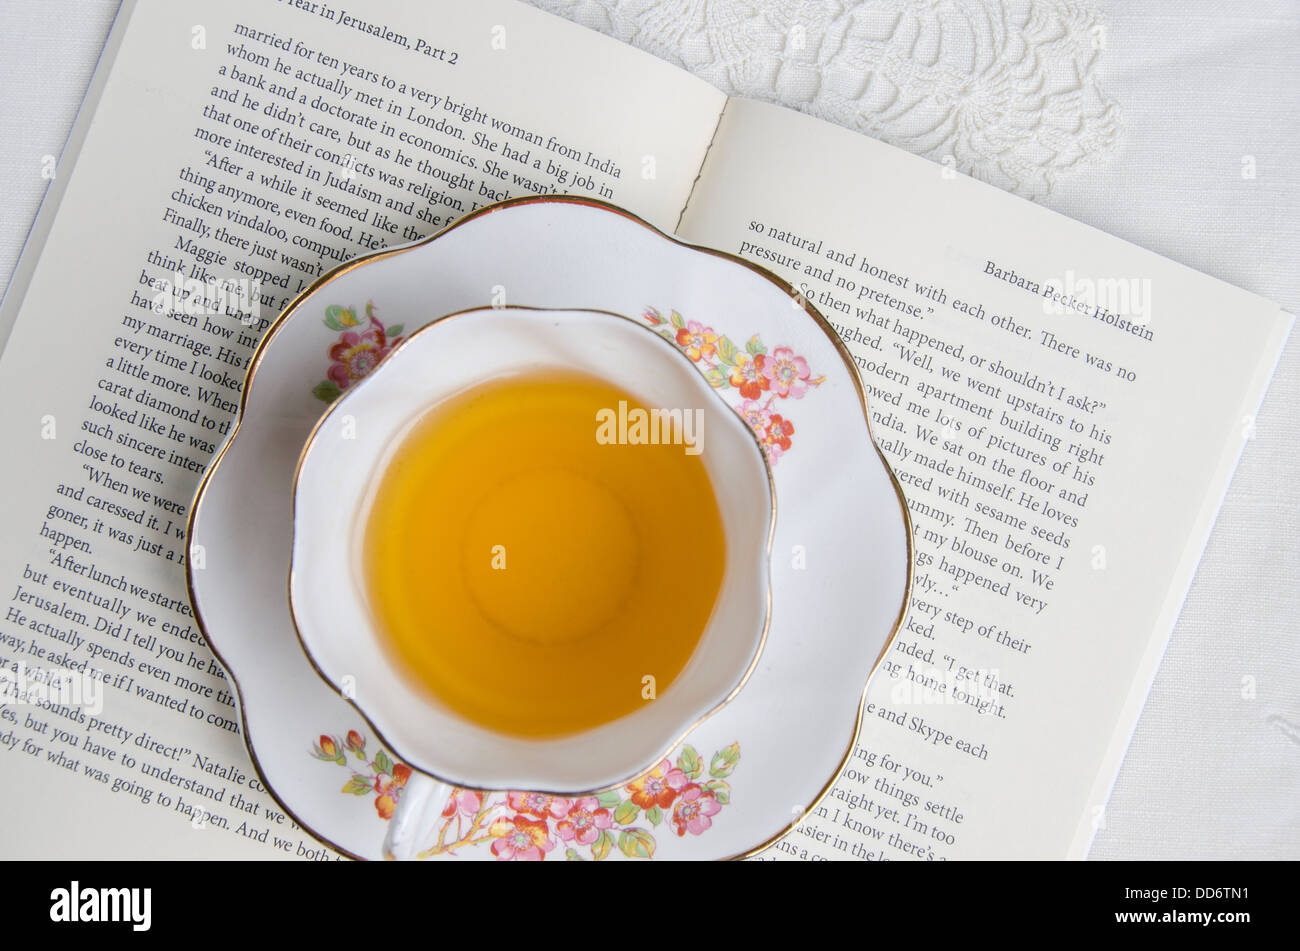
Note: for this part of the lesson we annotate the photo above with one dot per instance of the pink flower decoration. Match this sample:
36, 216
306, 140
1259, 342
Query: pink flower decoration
698, 341
789, 374
658, 787
463, 801
539, 804
757, 415
691, 814
585, 821
356, 354
521, 839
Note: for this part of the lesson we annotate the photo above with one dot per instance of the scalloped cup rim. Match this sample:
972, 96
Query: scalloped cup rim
427, 736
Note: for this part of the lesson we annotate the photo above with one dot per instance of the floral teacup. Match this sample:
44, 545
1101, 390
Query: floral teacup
328, 601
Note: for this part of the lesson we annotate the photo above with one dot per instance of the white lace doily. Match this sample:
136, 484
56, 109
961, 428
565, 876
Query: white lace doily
1006, 93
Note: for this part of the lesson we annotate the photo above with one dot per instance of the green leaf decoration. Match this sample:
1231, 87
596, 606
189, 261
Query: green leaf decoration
610, 799
755, 346
677, 320
626, 812
689, 762
358, 785
654, 815
394, 331
382, 763
571, 855
328, 391
727, 351
601, 847
340, 318
636, 843
717, 379
724, 761
721, 790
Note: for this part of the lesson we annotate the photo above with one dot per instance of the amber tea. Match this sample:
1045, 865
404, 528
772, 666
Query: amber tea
533, 577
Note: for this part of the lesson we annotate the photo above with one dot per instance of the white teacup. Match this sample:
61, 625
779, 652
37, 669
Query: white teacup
338, 469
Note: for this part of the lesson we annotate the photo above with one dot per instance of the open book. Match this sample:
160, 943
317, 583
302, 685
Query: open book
1063, 409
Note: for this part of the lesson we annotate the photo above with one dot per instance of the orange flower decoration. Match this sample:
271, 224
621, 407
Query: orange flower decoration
698, 341
390, 789
779, 431
748, 376
521, 839
659, 787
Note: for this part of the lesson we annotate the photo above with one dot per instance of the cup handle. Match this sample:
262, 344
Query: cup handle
413, 821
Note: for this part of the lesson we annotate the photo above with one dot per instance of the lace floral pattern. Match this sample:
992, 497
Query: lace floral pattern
1003, 91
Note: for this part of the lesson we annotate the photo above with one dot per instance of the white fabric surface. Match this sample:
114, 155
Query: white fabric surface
1140, 117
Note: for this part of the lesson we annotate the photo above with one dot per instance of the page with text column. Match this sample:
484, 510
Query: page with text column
260, 141
1064, 411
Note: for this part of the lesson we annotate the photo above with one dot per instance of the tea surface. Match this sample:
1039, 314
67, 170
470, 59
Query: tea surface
527, 574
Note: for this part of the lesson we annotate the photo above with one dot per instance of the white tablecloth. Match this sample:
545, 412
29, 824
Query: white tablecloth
1175, 126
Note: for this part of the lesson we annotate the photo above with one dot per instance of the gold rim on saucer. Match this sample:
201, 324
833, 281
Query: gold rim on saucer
788, 289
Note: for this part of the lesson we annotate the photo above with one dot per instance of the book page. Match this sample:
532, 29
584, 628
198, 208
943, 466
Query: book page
1063, 410
257, 143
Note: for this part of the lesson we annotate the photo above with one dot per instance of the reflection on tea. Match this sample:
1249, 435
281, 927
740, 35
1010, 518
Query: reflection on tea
530, 575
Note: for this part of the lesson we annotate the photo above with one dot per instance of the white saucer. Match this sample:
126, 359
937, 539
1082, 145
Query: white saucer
841, 565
